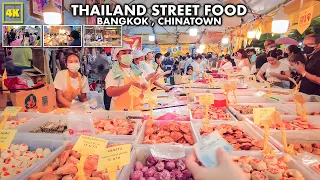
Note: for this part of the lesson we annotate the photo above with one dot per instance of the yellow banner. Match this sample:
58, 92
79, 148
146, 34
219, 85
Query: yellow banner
184, 49
305, 18
164, 48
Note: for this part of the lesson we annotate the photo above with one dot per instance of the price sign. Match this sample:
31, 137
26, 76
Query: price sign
6, 137
305, 18
134, 91
227, 87
114, 158
206, 99
184, 79
11, 111
260, 114
90, 144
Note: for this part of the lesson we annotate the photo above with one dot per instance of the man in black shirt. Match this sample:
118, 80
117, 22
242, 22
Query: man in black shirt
269, 44
310, 83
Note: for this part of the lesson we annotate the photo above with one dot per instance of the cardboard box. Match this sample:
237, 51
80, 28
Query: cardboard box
177, 79
42, 100
35, 74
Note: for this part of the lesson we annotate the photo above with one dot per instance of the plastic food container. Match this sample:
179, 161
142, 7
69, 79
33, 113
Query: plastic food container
245, 127
192, 106
289, 98
34, 143
311, 120
118, 114
140, 154
292, 164
312, 107
141, 134
41, 166
27, 127
20, 115
241, 117
251, 99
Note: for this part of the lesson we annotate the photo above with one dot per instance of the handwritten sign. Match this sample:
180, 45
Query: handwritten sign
206, 99
260, 114
134, 91
11, 111
305, 18
6, 137
90, 144
114, 158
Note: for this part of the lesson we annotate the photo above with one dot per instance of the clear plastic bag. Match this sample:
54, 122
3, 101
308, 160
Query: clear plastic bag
79, 124
168, 151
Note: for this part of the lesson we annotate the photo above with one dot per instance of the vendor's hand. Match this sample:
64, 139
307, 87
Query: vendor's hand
300, 68
226, 169
135, 83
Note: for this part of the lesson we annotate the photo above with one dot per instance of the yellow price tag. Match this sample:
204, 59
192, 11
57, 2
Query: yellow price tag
90, 144
184, 79
227, 87
260, 114
11, 111
206, 99
6, 137
116, 156
134, 91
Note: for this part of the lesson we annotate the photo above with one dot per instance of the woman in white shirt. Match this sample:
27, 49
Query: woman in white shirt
243, 59
227, 66
70, 84
274, 70
196, 64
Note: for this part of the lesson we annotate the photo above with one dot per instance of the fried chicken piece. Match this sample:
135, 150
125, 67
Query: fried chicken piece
189, 139
75, 154
176, 135
163, 133
51, 177
185, 127
316, 151
174, 126
68, 177
48, 169
90, 165
66, 169
63, 157
167, 139
306, 147
36, 176
72, 160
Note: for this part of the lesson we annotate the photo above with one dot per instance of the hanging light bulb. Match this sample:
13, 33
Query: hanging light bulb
199, 50
225, 40
51, 14
280, 23
202, 46
251, 33
193, 32
152, 38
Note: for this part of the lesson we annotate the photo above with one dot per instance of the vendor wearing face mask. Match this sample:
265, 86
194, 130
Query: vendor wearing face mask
122, 75
70, 84
295, 60
310, 83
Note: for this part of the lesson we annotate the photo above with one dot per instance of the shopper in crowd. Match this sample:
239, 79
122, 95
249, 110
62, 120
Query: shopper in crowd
26, 39
21, 58
158, 68
253, 56
192, 75
227, 66
70, 84
181, 65
243, 60
188, 63
75, 35
310, 83
204, 65
119, 80
274, 70
61, 60
226, 169
269, 45
295, 60
167, 63
196, 64
291, 51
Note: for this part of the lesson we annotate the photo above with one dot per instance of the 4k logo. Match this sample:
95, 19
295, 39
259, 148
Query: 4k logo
12, 12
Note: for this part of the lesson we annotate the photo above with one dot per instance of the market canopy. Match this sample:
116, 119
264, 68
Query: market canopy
210, 34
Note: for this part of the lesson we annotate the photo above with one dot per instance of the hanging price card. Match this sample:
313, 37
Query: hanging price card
206, 99
90, 144
6, 137
134, 91
114, 158
305, 18
11, 111
260, 114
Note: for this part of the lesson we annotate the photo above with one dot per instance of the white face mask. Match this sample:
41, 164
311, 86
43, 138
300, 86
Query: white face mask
73, 67
126, 59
